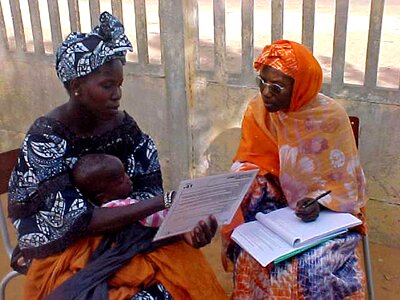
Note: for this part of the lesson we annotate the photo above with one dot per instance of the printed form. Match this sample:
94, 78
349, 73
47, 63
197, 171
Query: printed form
197, 199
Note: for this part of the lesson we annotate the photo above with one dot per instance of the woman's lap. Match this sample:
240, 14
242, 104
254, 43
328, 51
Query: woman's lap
332, 270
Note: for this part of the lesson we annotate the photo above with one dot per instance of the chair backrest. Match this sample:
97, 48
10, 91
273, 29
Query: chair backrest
7, 162
355, 125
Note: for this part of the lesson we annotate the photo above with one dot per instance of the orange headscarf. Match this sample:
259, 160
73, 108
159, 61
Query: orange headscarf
296, 61
260, 145
311, 146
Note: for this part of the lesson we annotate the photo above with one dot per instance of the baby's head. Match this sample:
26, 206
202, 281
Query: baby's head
101, 178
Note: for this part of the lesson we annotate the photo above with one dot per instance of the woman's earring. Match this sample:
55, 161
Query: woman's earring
76, 94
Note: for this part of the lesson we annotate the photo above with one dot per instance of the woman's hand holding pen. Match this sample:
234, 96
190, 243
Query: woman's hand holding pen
307, 209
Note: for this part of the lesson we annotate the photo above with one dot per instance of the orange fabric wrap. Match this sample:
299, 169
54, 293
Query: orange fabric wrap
310, 147
258, 145
183, 270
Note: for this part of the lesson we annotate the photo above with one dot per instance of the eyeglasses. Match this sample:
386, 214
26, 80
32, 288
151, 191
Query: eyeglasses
273, 87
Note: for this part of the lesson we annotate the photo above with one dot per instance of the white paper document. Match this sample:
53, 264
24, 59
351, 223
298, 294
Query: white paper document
197, 199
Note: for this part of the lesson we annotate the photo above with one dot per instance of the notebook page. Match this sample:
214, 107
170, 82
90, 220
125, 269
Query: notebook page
292, 229
260, 242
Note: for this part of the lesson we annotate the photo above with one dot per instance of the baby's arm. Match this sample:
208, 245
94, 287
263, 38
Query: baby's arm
153, 220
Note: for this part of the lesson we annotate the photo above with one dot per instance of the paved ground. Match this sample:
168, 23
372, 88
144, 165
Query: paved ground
385, 264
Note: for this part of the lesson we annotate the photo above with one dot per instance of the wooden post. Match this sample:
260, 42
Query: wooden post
172, 46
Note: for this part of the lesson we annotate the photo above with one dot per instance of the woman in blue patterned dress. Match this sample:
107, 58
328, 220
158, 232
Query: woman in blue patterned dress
55, 222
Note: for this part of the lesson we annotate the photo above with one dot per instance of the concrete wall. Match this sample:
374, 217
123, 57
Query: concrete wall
380, 157
29, 88
216, 118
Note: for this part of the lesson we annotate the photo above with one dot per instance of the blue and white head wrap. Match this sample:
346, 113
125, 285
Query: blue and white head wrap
82, 53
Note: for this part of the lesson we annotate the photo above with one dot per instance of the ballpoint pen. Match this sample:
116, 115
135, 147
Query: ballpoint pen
316, 199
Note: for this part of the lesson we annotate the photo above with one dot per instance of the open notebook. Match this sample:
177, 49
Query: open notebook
280, 234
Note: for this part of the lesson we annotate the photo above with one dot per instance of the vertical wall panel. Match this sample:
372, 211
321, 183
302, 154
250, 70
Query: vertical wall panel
55, 24
191, 20
196, 33
219, 39
307, 36
339, 44
19, 34
374, 40
74, 18
37, 32
94, 6
116, 6
141, 32
247, 39
277, 19
3, 32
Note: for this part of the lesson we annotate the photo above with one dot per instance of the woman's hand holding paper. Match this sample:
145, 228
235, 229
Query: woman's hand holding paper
202, 234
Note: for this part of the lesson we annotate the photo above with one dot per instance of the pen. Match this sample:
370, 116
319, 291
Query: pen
316, 199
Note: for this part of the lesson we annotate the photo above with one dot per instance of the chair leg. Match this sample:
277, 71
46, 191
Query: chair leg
4, 282
368, 268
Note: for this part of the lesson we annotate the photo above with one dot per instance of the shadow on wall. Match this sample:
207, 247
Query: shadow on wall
222, 149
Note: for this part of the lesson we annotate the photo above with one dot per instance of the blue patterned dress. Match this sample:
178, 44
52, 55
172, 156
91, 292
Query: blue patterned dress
47, 211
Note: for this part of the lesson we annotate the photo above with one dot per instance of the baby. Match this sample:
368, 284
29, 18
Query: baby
102, 179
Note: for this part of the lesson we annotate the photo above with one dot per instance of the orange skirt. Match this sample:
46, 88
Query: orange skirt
183, 270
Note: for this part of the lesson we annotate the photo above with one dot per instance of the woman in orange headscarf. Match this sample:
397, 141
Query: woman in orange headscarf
302, 142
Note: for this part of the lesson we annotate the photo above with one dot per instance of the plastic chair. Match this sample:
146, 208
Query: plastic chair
7, 163
355, 125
